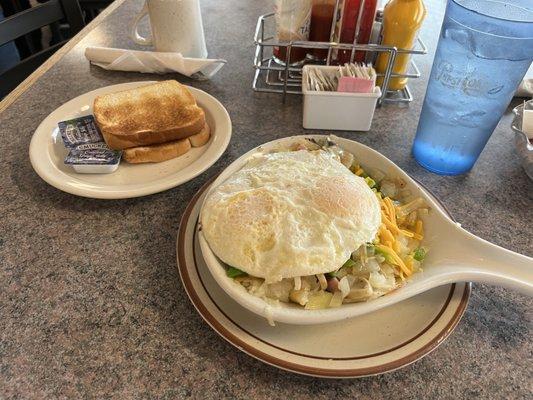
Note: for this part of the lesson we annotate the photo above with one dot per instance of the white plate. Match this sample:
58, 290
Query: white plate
371, 344
130, 180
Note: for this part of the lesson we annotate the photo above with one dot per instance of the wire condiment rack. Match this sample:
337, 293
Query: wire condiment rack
273, 77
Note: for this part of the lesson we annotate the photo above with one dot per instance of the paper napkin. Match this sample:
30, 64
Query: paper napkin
152, 62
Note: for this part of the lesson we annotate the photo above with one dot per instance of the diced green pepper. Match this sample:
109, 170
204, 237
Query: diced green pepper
388, 257
370, 182
419, 254
349, 263
233, 272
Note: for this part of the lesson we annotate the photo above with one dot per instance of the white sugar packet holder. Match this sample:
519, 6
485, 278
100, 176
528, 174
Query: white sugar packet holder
333, 110
152, 62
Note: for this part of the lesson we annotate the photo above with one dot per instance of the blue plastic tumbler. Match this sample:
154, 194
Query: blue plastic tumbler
484, 50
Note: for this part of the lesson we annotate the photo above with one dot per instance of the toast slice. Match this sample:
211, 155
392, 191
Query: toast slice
166, 151
152, 114
201, 138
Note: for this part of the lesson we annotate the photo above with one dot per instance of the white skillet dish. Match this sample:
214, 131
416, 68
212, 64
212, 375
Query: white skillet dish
455, 255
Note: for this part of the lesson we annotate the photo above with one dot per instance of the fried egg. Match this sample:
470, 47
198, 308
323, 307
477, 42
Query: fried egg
290, 214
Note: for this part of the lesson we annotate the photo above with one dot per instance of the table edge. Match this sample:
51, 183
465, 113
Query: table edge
50, 62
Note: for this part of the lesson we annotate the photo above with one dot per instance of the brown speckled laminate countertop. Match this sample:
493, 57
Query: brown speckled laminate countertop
91, 305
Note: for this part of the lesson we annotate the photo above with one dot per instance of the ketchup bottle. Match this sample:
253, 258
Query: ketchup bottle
349, 24
321, 20
292, 24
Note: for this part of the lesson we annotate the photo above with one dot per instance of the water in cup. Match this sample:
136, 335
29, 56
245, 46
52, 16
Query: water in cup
484, 50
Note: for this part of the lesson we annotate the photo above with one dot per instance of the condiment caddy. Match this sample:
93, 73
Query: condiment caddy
271, 75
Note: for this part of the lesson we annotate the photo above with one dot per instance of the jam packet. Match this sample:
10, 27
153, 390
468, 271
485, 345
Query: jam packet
78, 131
93, 153
88, 152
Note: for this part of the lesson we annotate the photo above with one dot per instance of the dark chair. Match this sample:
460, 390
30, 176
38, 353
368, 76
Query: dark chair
29, 20
91, 8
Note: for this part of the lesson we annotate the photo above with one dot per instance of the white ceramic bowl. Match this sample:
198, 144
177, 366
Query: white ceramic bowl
292, 313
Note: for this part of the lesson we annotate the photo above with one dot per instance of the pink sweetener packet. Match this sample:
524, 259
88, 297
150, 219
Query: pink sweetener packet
352, 84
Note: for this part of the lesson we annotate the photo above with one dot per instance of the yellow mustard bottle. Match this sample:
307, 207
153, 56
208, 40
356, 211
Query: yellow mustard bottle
402, 20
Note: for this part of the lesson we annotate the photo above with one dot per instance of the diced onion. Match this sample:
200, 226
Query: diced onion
336, 300
387, 269
377, 175
297, 283
361, 294
371, 265
323, 281
319, 301
351, 280
388, 188
380, 281
279, 290
403, 244
411, 206
361, 252
300, 297
344, 287
347, 159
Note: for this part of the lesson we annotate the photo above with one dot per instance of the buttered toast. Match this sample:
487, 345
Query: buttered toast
153, 114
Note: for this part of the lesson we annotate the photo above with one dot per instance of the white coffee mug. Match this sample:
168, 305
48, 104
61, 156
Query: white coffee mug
176, 26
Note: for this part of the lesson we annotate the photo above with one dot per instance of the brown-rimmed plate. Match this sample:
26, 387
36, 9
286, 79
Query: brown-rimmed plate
372, 344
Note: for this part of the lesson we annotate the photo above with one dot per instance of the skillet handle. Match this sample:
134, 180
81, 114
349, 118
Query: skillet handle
477, 260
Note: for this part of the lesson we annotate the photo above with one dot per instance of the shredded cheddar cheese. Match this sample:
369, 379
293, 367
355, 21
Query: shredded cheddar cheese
395, 259
391, 227
419, 228
385, 234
